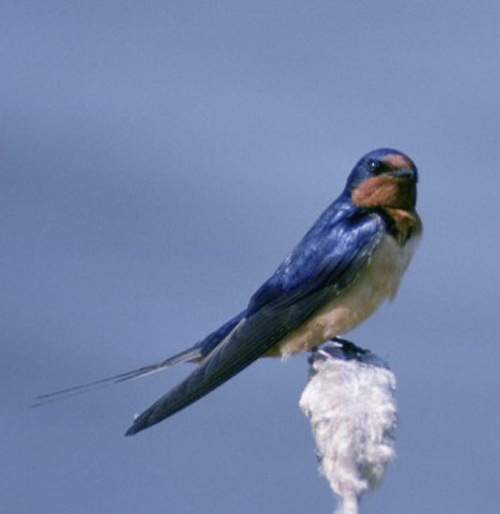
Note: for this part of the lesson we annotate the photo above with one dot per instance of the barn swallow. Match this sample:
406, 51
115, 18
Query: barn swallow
350, 260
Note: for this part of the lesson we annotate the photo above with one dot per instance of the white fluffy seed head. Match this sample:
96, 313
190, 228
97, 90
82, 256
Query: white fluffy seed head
349, 400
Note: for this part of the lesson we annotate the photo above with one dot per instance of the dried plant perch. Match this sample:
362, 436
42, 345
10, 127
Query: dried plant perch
349, 400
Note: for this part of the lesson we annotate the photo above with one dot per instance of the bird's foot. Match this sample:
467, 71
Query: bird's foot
338, 347
348, 346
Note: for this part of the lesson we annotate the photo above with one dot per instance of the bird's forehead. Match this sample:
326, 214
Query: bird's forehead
394, 160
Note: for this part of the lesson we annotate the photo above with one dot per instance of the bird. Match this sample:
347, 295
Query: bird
349, 262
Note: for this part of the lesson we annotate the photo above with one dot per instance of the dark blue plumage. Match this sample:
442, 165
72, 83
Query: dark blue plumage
312, 274
326, 262
348, 262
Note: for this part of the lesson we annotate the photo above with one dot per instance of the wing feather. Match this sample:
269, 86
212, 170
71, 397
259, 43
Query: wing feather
310, 277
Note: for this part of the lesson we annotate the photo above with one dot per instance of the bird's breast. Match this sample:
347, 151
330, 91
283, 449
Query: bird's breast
377, 282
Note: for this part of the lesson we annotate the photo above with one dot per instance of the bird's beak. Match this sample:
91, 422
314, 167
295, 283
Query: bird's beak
404, 173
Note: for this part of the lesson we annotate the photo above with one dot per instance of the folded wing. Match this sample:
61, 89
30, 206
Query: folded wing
325, 262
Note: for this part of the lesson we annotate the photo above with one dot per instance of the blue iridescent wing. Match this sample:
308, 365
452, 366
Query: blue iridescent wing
325, 262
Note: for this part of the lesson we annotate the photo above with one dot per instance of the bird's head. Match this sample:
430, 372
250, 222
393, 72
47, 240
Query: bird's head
383, 178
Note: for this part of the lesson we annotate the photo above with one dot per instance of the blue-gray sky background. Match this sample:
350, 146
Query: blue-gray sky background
158, 160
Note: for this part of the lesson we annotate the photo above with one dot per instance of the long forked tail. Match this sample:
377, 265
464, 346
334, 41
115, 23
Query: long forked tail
193, 354
248, 341
189, 355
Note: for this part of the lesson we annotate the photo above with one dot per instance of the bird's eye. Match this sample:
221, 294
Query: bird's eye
376, 167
